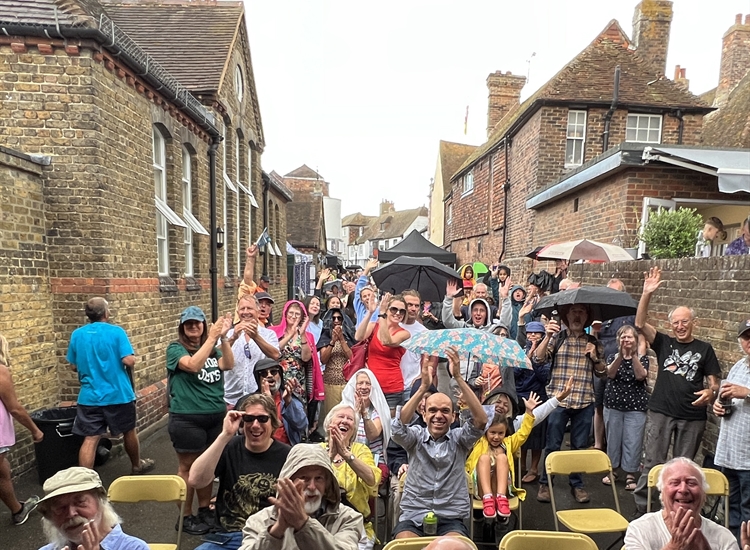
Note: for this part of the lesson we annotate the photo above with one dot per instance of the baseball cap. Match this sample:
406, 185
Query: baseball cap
192, 313
743, 328
535, 326
73, 480
264, 296
265, 278
264, 364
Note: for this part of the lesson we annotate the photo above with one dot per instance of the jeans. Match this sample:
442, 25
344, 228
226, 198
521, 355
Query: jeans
659, 431
580, 429
739, 498
234, 541
625, 438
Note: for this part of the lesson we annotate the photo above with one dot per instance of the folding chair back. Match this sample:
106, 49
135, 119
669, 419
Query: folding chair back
420, 542
155, 488
589, 520
533, 540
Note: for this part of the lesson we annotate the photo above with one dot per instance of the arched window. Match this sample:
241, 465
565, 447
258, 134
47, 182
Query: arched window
239, 83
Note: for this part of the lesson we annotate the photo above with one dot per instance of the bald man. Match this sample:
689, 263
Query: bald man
678, 404
448, 543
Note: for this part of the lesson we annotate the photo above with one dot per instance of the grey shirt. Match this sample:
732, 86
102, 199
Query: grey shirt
437, 471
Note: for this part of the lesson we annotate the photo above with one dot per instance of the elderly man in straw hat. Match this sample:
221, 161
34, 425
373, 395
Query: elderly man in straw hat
78, 516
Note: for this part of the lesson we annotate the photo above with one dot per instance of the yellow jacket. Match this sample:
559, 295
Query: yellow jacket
512, 444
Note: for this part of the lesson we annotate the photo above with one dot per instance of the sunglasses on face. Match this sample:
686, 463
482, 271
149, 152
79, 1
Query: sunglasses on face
250, 418
337, 318
265, 372
397, 311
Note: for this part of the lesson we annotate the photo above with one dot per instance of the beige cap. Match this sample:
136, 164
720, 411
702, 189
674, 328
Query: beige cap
73, 480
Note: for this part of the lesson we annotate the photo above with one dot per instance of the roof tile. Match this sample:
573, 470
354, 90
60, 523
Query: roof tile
730, 125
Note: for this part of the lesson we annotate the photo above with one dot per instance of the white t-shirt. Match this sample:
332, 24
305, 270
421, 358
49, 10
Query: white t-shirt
240, 381
410, 361
649, 532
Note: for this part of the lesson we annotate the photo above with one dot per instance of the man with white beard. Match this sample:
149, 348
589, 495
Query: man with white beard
78, 516
307, 511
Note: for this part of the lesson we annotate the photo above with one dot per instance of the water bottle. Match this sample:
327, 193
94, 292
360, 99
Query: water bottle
429, 524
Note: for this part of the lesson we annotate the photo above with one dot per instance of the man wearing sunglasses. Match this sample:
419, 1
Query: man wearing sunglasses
251, 342
247, 465
270, 379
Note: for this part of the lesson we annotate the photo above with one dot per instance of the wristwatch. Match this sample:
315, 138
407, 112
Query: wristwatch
351, 457
382, 315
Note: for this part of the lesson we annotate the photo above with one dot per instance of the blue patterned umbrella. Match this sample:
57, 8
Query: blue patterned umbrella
481, 345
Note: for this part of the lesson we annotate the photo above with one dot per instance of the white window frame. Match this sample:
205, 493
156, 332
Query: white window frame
237, 240
468, 183
164, 214
574, 138
239, 83
449, 214
635, 124
187, 206
651, 204
227, 185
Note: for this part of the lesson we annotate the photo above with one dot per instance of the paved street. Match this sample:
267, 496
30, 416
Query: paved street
155, 523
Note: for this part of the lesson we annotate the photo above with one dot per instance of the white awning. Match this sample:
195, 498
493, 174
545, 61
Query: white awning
249, 194
276, 247
731, 166
270, 249
193, 222
168, 213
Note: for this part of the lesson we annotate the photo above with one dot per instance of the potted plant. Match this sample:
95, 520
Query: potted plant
672, 233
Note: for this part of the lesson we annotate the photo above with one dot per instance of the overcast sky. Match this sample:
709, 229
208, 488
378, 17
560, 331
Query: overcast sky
362, 92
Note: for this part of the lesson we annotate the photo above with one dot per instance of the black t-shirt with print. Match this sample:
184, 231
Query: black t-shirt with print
682, 368
246, 480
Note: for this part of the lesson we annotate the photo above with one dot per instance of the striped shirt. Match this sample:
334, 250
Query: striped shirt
732, 450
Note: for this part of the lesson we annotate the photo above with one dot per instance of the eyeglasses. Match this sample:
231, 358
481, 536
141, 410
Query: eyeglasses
337, 318
250, 418
397, 311
265, 372
247, 350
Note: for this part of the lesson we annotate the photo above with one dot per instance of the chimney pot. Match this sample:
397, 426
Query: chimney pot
676, 72
682, 73
747, 19
738, 19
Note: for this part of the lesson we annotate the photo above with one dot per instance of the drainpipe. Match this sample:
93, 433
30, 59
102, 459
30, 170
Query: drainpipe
266, 185
213, 269
506, 188
612, 109
681, 126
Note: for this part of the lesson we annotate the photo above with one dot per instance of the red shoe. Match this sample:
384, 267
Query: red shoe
488, 507
503, 508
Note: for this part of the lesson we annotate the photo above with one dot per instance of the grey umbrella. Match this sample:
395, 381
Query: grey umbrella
425, 275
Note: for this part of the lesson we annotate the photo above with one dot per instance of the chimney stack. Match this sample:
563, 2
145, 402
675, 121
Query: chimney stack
680, 79
386, 207
735, 58
504, 94
651, 23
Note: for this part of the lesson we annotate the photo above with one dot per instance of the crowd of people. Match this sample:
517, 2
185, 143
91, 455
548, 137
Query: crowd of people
302, 445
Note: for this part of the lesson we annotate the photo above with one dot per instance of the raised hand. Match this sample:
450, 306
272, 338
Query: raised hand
324, 274
553, 327
226, 324
454, 361
371, 264
532, 402
451, 288
528, 306
426, 370
231, 423
251, 251
504, 288
384, 301
567, 389
652, 280
214, 332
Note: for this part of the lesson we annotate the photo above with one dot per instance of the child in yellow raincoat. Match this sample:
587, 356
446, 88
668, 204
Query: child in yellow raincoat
491, 461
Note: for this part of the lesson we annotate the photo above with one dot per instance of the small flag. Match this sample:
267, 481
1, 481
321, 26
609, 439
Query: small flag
264, 239
466, 120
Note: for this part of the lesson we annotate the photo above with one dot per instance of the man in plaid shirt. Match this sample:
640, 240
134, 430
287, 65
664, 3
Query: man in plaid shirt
578, 356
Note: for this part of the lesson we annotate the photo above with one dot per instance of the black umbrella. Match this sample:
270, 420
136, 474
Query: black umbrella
425, 275
534, 254
605, 303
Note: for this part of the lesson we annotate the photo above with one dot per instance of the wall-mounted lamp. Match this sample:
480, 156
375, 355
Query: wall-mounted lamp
219, 238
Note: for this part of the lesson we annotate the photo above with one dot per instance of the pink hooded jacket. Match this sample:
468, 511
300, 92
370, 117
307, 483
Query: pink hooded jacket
318, 392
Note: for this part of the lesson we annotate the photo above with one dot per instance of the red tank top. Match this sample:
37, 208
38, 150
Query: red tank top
385, 364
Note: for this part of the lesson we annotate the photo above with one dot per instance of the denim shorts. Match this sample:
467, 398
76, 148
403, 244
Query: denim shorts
444, 526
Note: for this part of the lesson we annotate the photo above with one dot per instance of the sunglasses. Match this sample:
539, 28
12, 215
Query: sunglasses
247, 350
397, 311
250, 418
265, 372
337, 318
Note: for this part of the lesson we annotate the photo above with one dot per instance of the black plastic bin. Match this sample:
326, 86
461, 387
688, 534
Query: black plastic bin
59, 448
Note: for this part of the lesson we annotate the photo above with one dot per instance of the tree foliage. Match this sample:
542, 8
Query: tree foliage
672, 233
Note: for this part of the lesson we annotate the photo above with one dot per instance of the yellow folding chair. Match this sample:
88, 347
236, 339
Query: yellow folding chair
718, 485
418, 543
588, 520
534, 540
155, 488
514, 503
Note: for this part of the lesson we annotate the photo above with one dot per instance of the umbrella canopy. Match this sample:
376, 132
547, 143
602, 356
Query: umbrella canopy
534, 254
416, 246
605, 303
471, 343
425, 275
330, 284
584, 249
478, 268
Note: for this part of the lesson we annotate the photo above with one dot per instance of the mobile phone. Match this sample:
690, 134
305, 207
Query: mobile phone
217, 538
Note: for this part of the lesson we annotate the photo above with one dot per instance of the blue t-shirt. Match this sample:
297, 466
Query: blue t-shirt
97, 351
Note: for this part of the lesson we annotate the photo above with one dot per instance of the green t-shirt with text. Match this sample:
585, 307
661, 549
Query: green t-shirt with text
195, 393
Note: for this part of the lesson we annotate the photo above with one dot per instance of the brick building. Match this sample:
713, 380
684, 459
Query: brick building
112, 117
571, 161
306, 216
